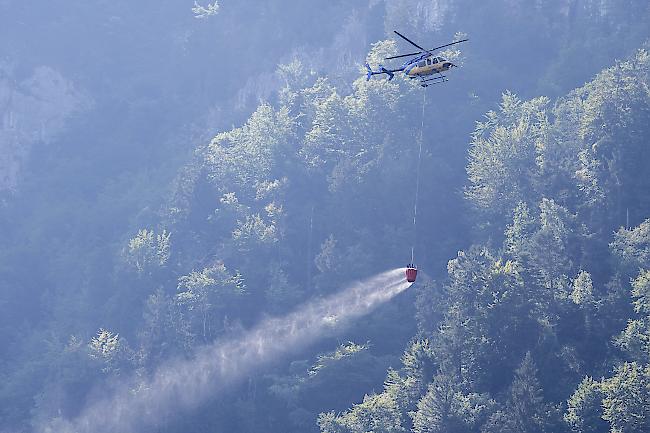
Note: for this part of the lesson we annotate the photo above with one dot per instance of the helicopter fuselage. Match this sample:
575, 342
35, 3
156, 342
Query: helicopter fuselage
427, 65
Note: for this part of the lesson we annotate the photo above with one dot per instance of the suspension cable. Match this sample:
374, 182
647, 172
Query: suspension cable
417, 182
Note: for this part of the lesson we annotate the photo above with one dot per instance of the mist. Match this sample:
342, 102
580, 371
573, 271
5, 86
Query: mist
177, 387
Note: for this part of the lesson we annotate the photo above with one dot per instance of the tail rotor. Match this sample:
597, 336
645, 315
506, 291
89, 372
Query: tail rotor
370, 72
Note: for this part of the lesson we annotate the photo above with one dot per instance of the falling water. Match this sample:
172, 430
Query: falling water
182, 385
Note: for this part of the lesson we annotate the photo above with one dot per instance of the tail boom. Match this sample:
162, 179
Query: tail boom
381, 71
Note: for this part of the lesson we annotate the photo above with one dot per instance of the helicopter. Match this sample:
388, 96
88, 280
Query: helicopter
422, 66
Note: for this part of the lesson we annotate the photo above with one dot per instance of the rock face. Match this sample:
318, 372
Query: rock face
33, 111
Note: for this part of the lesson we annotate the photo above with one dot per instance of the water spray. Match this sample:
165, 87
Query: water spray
182, 385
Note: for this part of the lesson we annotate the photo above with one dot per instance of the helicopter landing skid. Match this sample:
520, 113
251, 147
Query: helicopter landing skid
434, 80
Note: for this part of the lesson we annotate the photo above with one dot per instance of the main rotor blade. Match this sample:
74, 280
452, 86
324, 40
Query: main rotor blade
404, 55
447, 45
409, 41
424, 50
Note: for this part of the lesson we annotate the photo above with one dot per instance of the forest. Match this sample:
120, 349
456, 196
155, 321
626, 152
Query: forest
182, 182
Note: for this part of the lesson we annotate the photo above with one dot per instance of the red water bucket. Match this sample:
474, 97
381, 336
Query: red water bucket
411, 274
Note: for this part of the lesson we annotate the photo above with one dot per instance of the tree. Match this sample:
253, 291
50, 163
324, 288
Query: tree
165, 332
245, 157
204, 293
502, 168
583, 289
111, 351
584, 413
418, 365
526, 410
519, 234
378, 413
147, 250
632, 248
626, 399
433, 413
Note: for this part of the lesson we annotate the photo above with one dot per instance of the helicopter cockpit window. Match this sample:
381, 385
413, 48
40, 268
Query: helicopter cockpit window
422, 63
428, 61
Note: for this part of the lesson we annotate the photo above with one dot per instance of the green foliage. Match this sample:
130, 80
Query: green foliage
347, 138
583, 289
324, 141
254, 228
584, 408
519, 234
492, 314
326, 260
205, 11
626, 401
330, 379
557, 231
502, 167
165, 331
641, 292
434, 408
526, 407
246, 156
147, 250
205, 293
378, 413
281, 290
343, 351
104, 345
635, 339
111, 351
380, 50
445, 409
472, 410
622, 400
294, 76
418, 363
524, 151
632, 247
388, 411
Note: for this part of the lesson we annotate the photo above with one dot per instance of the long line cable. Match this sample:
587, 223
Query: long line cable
417, 182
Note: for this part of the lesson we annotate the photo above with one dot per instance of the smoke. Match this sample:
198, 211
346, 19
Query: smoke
180, 386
